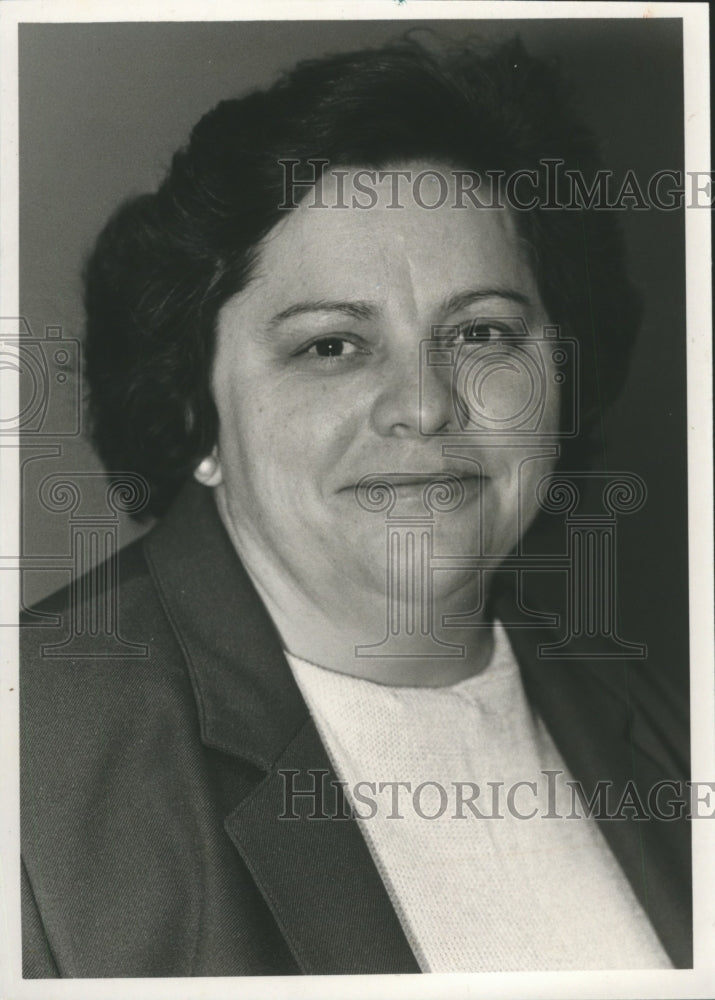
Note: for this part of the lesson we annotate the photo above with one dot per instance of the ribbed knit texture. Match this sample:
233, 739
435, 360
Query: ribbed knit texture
477, 894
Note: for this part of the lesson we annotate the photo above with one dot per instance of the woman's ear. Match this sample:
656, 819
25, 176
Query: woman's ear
208, 471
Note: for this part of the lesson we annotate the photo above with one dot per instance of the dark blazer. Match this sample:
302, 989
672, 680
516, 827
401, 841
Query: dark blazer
152, 793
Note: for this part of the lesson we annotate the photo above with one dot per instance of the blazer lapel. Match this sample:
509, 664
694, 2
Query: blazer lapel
315, 870
316, 874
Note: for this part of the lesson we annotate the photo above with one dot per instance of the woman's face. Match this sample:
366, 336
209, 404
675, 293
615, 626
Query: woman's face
318, 382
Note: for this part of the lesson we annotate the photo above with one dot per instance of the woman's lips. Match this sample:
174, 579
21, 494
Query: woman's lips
434, 488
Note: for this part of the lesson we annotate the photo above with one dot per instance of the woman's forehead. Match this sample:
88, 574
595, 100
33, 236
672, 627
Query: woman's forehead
351, 236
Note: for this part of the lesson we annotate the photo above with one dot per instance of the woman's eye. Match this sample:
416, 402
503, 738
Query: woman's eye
483, 333
332, 347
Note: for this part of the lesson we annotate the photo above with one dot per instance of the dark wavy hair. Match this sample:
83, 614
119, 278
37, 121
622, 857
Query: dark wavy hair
166, 262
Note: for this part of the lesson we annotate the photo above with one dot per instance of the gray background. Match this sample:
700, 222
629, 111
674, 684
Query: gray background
103, 106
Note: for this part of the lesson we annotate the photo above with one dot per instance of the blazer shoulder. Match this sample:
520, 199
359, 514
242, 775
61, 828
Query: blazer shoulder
107, 613
99, 657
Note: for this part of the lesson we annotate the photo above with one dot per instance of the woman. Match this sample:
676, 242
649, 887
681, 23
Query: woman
294, 778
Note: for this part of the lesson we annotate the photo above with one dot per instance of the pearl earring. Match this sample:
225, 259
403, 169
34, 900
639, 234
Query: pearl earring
207, 466
208, 471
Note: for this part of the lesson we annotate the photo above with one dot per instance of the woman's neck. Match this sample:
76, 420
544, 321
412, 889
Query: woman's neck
327, 618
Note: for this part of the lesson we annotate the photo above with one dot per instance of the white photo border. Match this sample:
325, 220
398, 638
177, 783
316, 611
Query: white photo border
697, 982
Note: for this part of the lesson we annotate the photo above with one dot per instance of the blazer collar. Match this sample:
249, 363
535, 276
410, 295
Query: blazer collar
247, 699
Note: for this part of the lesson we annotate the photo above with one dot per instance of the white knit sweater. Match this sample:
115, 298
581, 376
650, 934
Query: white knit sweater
474, 892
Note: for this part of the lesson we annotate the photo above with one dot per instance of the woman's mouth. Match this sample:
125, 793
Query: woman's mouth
440, 491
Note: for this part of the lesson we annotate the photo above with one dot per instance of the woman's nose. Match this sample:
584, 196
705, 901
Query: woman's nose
415, 399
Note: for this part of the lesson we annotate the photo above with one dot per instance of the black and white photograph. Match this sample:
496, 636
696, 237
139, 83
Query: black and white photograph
356, 547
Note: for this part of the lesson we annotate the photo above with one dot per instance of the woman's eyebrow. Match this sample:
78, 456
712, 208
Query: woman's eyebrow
461, 300
359, 309
356, 309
